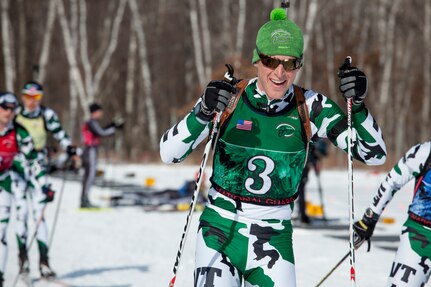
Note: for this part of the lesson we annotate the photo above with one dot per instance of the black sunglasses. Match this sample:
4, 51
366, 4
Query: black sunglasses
6, 106
273, 63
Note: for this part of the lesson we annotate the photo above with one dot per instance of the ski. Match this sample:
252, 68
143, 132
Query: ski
172, 207
321, 224
94, 209
26, 279
51, 282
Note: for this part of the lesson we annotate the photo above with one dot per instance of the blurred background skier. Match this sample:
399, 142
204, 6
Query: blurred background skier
92, 132
412, 263
40, 121
16, 153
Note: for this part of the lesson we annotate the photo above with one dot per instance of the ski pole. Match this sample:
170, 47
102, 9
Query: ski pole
57, 211
333, 269
33, 237
285, 4
209, 145
319, 187
193, 200
358, 241
345, 66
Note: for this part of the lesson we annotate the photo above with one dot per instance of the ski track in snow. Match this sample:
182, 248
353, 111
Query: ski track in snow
126, 246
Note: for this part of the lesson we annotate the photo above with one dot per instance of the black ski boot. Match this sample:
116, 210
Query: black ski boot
24, 265
1, 279
87, 204
46, 271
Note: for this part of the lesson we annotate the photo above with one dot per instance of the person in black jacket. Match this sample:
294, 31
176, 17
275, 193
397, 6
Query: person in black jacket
92, 132
318, 150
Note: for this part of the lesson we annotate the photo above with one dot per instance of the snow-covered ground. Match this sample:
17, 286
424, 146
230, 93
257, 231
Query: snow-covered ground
127, 246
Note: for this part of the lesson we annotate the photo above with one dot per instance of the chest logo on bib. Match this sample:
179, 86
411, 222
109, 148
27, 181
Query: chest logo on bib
285, 130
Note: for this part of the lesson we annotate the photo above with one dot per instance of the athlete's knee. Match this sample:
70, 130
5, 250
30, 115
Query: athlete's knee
402, 274
3, 229
207, 276
4, 214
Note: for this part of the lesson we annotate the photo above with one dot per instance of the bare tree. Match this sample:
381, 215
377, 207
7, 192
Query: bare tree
73, 100
22, 53
145, 74
311, 13
46, 42
7, 46
388, 57
240, 30
131, 66
403, 97
426, 72
206, 38
198, 50
83, 44
71, 58
107, 56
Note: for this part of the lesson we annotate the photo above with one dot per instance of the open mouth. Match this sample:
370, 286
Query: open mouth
278, 83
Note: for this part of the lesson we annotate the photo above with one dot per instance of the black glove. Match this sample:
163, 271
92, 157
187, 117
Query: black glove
119, 124
215, 99
71, 150
49, 193
364, 228
353, 83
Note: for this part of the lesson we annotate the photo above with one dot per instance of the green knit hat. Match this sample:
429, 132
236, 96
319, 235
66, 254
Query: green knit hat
279, 36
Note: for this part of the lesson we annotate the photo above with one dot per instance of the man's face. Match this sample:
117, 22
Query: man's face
7, 112
275, 82
31, 102
97, 115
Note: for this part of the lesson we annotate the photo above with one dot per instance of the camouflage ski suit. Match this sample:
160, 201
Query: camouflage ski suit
245, 231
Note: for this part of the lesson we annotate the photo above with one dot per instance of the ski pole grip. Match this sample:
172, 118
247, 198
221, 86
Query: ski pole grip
228, 76
285, 4
345, 66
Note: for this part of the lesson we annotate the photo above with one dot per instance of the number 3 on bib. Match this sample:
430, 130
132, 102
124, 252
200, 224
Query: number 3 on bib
259, 178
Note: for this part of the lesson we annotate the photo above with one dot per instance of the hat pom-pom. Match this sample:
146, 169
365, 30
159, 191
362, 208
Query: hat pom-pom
278, 14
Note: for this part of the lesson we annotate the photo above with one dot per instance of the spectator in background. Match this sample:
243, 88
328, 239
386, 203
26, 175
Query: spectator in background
92, 132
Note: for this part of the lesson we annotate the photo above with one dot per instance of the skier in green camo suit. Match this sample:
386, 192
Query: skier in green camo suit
245, 231
16, 152
40, 121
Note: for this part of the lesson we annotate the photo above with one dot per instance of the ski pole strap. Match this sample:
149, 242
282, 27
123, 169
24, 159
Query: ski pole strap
333, 269
241, 85
303, 111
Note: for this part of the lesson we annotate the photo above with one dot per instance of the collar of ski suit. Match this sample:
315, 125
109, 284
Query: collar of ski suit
31, 114
260, 100
7, 129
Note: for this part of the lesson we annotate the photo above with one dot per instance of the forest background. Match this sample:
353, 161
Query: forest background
148, 61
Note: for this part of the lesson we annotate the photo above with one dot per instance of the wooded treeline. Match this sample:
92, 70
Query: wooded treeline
148, 61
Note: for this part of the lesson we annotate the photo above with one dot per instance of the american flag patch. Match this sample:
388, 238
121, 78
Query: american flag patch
244, 125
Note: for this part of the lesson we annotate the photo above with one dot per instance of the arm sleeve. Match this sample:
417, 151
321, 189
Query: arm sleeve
53, 125
329, 121
407, 168
181, 139
95, 128
27, 156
